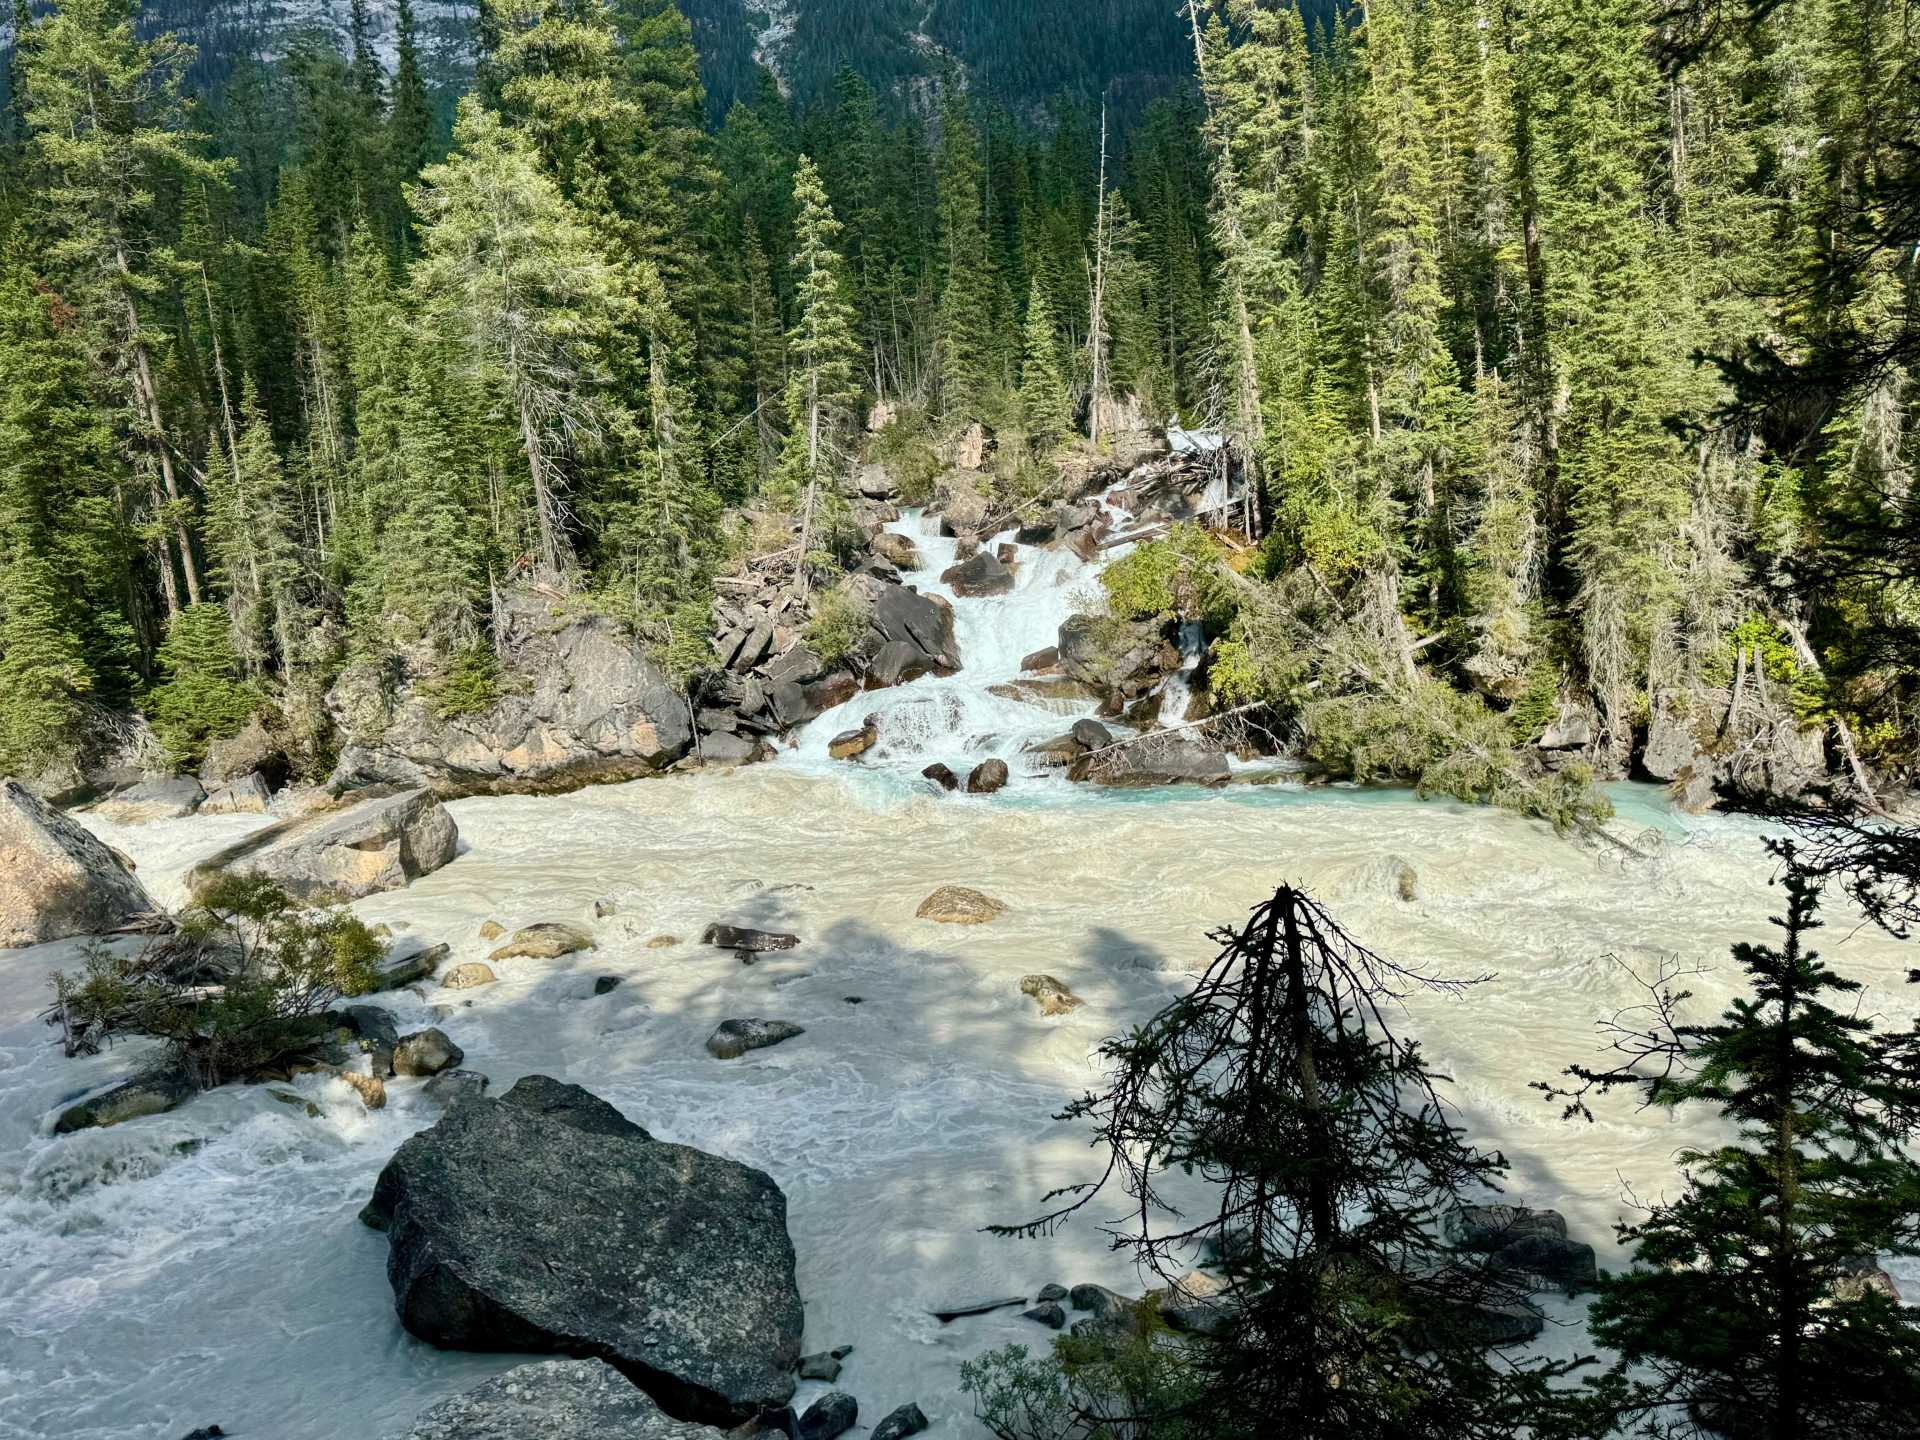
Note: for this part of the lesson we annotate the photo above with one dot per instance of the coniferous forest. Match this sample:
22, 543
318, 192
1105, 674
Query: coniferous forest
1566, 350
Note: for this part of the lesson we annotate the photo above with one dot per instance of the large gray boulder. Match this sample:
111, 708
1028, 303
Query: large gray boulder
1121, 659
162, 798
554, 1400
922, 625
380, 842
56, 879
547, 1221
579, 703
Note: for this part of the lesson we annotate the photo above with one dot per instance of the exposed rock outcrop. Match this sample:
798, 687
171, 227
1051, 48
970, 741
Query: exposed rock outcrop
579, 702
380, 842
56, 879
960, 905
547, 1221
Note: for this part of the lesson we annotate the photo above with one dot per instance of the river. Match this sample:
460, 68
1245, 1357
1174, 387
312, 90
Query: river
207, 1266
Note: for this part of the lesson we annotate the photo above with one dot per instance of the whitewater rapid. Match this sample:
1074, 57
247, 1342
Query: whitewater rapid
206, 1266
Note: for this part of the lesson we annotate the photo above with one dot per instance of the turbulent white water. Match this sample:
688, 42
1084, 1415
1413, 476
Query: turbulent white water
206, 1265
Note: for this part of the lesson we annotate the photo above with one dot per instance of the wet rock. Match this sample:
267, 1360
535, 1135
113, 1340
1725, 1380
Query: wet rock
904, 616
1060, 751
371, 1089
941, 776
249, 795
555, 1400
1102, 1302
1157, 762
1048, 1313
982, 575
409, 960
452, 1086
897, 549
1092, 734
205, 1432
1525, 1242
1479, 1324
960, 905
56, 879
898, 662
1198, 1304
663, 942
606, 985
1054, 998
380, 843
546, 1220
745, 942
604, 908
979, 1305
834, 1413
725, 750
548, 940
153, 1093
492, 930
734, 1038
823, 1366
373, 1026
899, 1423
966, 513
1863, 1277
468, 976
167, 799
1006, 552
580, 702
851, 744
988, 777
1052, 1291
1041, 662
426, 1052
1122, 659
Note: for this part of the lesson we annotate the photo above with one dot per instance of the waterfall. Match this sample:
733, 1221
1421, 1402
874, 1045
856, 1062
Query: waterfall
1177, 694
958, 720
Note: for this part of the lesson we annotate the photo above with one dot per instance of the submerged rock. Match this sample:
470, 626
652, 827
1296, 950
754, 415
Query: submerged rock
1054, 998
548, 940
546, 1220
1048, 1313
960, 905
153, 1093
56, 879
380, 843
451, 1086
980, 1305
554, 1400
984, 574
733, 1038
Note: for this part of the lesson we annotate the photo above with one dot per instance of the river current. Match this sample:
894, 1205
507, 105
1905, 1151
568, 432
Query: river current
207, 1266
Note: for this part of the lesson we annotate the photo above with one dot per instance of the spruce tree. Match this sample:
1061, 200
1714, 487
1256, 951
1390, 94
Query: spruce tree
1747, 1313
1044, 402
967, 278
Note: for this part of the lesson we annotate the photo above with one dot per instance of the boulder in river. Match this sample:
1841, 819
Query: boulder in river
896, 549
426, 1052
253, 751
746, 942
900, 615
409, 959
942, 776
1047, 1313
1525, 1242
56, 879
733, 1038
899, 1423
852, 744
160, 799
248, 795
1054, 998
1155, 762
546, 1220
555, 1400
378, 843
833, 1414
984, 574
468, 976
152, 1093
451, 1086
988, 777
548, 940
960, 905
580, 702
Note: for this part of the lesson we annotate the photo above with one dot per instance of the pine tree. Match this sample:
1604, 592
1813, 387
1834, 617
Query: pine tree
510, 278
1745, 1314
823, 388
412, 140
967, 277
1044, 402
202, 699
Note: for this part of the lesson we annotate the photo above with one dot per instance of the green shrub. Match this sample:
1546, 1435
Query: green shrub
469, 683
239, 989
1137, 1386
839, 623
203, 698
906, 453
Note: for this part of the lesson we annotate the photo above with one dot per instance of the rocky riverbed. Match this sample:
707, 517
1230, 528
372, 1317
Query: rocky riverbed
207, 1265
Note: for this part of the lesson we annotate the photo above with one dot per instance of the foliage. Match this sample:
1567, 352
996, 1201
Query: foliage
1745, 1311
908, 456
237, 991
1100, 1388
1329, 1157
203, 698
469, 682
838, 625
1176, 576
